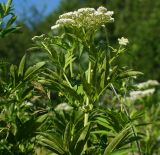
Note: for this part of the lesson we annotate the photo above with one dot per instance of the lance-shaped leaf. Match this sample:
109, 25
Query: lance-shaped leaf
13, 69
8, 5
31, 70
21, 66
82, 140
128, 74
67, 135
52, 142
112, 145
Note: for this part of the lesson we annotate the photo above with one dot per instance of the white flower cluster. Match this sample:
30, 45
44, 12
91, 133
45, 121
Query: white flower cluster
85, 17
134, 95
123, 41
147, 84
145, 89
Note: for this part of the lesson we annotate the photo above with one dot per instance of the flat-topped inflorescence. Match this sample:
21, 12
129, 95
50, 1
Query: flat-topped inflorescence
123, 41
87, 18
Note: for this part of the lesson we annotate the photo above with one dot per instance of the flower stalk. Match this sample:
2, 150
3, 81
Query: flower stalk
86, 115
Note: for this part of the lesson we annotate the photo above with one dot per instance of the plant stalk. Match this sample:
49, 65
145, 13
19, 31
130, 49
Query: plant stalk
71, 65
67, 80
87, 100
86, 115
71, 69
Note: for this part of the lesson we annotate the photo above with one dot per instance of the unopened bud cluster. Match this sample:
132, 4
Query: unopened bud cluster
85, 17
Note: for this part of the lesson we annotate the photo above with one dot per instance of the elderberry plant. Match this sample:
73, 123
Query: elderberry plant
83, 71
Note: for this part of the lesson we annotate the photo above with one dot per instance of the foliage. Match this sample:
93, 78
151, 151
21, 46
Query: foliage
78, 100
18, 119
6, 27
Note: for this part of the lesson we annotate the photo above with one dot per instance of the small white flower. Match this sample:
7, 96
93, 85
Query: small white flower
102, 9
123, 41
65, 21
98, 13
68, 15
109, 13
86, 10
55, 27
111, 19
147, 84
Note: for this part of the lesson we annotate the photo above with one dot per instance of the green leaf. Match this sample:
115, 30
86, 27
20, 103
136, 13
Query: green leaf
104, 122
138, 114
52, 142
112, 145
3, 6
41, 118
70, 92
8, 31
13, 69
104, 132
128, 74
82, 140
11, 21
8, 5
66, 137
31, 70
51, 145
121, 151
21, 66
69, 58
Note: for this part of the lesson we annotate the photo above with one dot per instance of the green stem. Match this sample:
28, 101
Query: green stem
107, 57
46, 48
87, 100
89, 73
86, 119
71, 64
71, 69
86, 115
67, 80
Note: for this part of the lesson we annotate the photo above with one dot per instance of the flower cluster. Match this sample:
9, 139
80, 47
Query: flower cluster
123, 41
139, 94
85, 17
145, 89
147, 84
